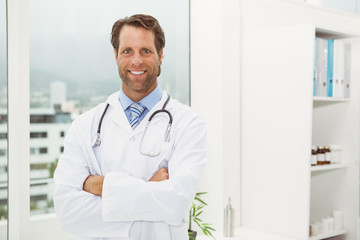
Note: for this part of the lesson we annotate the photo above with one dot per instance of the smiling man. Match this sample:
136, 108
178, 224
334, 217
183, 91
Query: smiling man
138, 61
131, 166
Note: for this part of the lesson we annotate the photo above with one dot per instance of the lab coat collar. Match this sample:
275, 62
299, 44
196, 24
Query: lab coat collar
117, 114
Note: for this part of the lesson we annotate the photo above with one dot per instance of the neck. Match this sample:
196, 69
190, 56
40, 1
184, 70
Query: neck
137, 96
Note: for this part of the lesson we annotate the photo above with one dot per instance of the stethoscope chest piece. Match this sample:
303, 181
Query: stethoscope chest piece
96, 141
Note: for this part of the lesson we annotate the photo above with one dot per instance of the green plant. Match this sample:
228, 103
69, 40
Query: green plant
3, 212
194, 215
52, 167
33, 206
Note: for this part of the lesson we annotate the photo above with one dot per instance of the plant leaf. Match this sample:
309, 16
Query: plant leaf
198, 199
201, 206
200, 193
211, 228
198, 214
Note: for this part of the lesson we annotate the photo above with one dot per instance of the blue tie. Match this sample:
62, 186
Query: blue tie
136, 109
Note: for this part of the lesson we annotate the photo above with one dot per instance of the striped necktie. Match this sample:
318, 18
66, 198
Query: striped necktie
136, 109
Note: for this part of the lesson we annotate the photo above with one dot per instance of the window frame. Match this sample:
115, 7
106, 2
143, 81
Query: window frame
18, 115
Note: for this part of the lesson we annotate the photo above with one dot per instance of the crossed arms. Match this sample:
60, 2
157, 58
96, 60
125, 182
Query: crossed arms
94, 184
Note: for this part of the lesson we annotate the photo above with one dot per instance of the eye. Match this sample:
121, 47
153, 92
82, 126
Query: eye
126, 51
146, 51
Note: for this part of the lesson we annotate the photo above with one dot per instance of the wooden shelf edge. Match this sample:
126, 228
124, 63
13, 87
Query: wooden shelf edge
328, 235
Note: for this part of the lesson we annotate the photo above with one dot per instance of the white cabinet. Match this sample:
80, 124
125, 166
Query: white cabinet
280, 121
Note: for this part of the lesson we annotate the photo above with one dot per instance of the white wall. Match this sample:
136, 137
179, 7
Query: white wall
215, 87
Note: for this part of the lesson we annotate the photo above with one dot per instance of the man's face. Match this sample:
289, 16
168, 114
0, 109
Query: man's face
138, 61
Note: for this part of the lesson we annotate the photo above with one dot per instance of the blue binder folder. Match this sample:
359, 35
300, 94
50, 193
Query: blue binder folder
330, 67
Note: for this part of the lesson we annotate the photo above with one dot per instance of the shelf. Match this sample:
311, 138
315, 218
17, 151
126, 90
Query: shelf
245, 233
330, 99
328, 235
328, 167
324, 33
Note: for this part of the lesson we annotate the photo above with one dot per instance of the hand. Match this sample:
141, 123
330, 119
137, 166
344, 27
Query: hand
94, 184
160, 175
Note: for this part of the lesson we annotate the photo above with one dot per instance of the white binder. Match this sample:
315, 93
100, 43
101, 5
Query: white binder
339, 65
321, 67
347, 67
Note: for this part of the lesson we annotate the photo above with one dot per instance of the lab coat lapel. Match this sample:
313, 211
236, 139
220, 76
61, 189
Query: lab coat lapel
117, 114
141, 127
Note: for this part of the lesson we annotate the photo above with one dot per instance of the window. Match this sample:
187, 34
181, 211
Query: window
38, 135
43, 150
3, 135
38, 151
72, 68
2, 152
33, 151
39, 166
41, 118
3, 122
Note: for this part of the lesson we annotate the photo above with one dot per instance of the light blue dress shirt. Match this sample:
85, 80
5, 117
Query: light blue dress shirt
149, 102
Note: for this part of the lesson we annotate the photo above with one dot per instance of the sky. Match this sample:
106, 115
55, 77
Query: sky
71, 38
3, 66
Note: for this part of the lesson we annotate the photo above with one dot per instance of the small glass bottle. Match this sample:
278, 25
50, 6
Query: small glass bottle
313, 156
320, 154
327, 155
229, 220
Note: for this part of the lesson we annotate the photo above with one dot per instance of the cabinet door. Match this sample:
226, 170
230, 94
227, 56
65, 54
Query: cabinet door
276, 115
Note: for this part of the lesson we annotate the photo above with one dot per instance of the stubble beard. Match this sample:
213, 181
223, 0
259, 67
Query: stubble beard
145, 85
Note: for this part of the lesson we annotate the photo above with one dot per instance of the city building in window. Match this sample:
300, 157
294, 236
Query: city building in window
47, 130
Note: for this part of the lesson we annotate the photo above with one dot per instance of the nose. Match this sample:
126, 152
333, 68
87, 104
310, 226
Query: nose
136, 59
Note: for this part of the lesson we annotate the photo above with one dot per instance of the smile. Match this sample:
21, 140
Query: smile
137, 72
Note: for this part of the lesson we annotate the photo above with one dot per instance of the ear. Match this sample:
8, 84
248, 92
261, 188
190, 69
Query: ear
116, 54
161, 56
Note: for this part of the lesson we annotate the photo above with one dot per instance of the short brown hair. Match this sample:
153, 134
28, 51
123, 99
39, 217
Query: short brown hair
139, 20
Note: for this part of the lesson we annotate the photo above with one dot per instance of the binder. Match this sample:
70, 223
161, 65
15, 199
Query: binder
338, 69
330, 66
321, 67
315, 72
347, 66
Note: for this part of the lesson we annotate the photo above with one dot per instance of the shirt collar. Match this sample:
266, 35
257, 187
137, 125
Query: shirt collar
149, 101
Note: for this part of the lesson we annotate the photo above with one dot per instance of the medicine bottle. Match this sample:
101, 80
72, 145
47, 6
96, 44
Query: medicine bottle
320, 153
313, 156
327, 155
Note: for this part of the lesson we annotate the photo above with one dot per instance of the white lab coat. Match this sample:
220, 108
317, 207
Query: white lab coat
131, 207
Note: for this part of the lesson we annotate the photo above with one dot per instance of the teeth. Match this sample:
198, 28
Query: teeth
137, 72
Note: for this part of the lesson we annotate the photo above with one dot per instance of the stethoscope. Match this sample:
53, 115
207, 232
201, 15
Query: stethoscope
97, 138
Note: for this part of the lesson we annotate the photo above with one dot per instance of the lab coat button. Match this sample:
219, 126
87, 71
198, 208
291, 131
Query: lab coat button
132, 139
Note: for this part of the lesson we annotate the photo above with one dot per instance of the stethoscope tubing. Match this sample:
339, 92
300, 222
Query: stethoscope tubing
97, 141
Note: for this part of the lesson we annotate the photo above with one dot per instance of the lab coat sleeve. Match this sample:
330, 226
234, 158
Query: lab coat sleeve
126, 198
79, 212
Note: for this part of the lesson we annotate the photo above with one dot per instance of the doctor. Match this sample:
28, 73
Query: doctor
131, 171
